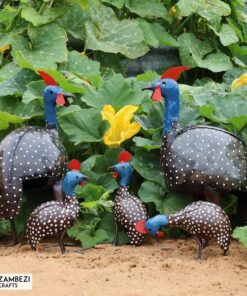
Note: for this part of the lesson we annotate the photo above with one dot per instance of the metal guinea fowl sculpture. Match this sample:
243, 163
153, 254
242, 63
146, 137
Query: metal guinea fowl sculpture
202, 159
53, 218
33, 154
203, 220
127, 209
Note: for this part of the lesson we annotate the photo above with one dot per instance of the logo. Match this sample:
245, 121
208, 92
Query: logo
11, 281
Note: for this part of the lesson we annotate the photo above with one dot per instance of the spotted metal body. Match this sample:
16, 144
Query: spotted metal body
204, 156
52, 219
129, 209
200, 159
25, 154
204, 221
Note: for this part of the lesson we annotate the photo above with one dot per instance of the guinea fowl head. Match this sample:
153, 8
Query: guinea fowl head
123, 169
167, 85
152, 225
73, 178
53, 96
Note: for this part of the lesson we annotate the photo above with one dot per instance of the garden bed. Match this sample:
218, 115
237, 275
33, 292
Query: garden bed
160, 268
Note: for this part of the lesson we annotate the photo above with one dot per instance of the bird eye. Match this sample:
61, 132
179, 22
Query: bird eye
149, 229
123, 167
51, 92
76, 177
163, 83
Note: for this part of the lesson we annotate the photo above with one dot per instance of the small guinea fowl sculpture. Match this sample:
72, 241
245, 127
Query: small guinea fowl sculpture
53, 218
202, 159
127, 209
203, 220
33, 154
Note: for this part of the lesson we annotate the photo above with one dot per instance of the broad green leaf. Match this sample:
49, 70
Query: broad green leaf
7, 14
12, 110
85, 126
153, 120
240, 233
8, 71
81, 65
106, 33
116, 92
5, 227
209, 9
16, 85
197, 53
34, 91
89, 240
87, 231
148, 144
226, 33
64, 83
152, 192
148, 33
90, 192
15, 106
7, 118
163, 36
166, 203
232, 74
31, 15
175, 201
148, 76
85, 4
73, 21
48, 46
116, 3
147, 164
108, 224
147, 8
5, 41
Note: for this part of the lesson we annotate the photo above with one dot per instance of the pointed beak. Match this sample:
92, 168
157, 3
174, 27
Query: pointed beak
147, 88
114, 174
62, 99
85, 178
111, 169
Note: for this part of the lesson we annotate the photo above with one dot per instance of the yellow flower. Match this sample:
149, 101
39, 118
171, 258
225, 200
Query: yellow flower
172, 10
239, 82
121, 128
3, 48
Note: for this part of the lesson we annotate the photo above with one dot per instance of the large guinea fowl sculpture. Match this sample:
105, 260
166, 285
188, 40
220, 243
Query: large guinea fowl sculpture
33, 154
53, 218
127, 209
202, 159
203, 220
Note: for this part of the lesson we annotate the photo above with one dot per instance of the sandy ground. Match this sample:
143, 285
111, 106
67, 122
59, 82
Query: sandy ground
167, 267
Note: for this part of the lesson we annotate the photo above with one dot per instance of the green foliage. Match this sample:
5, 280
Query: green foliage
82, 44
240, 233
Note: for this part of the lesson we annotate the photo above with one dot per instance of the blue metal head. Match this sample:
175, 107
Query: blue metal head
124, 170
153, 225
167, 87
71, 179
53, 96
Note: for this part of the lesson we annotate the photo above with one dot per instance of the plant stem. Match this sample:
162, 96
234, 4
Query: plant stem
182, 24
